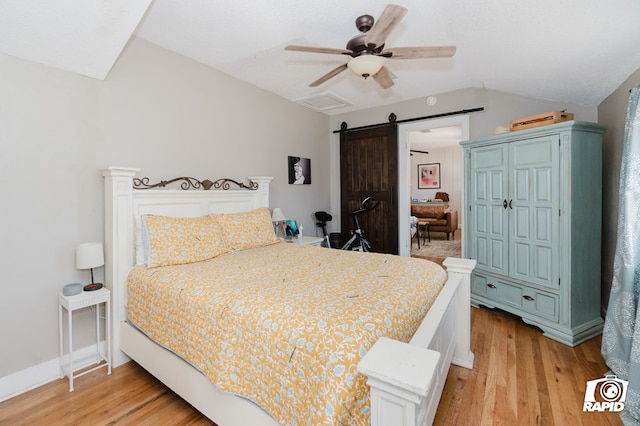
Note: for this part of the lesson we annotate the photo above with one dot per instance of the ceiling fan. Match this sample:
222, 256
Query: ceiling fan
367, 49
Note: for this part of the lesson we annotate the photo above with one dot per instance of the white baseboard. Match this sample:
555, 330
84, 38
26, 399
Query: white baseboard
30, 378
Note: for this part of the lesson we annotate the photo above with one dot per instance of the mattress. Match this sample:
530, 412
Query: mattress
285, 325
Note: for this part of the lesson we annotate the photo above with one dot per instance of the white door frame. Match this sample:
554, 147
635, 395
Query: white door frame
404, 174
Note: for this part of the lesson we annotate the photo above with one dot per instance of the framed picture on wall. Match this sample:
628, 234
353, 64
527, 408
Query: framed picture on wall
429, 176
299, 171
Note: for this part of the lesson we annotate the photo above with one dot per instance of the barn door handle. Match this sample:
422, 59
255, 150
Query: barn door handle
504, 204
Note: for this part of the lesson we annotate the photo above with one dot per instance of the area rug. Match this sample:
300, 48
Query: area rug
437, 248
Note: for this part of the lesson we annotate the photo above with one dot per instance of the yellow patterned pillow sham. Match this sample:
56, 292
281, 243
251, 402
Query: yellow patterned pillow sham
178, 240
246, 230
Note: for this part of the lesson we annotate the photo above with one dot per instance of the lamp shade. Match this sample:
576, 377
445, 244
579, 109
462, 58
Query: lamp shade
277, 215
365, 65
89, 255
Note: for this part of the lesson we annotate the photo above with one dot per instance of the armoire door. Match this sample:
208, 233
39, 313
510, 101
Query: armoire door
488, 203
534, 209
369, 168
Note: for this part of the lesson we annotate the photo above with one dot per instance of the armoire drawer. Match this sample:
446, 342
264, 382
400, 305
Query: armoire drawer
512, 295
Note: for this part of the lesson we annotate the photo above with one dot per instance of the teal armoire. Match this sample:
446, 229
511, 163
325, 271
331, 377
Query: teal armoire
532, 220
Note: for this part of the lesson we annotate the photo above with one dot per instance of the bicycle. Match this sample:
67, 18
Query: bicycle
357, 235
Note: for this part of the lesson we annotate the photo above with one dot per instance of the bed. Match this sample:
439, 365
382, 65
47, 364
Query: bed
404, 381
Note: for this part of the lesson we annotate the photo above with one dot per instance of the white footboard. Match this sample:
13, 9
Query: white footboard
407, 379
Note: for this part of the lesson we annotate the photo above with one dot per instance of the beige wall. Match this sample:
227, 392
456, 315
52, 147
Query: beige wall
156, 110
611, 113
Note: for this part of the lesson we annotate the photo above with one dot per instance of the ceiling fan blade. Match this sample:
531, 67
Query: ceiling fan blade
391, 16
315, 49
329, 75
419, 52
383, 78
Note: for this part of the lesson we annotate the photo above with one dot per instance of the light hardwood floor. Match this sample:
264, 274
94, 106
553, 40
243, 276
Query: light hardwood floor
519, 377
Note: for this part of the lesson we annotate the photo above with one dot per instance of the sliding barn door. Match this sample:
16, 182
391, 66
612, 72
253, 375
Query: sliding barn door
369, 168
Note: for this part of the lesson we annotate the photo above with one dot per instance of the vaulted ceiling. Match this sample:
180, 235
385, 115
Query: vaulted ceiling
575, 51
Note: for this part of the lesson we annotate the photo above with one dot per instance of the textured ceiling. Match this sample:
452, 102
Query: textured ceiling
81, 36
575, 51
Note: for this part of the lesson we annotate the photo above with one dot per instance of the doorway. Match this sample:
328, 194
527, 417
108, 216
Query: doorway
407, 135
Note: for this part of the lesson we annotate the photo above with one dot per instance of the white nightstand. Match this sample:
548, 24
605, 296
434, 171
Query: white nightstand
309, 241
79, 301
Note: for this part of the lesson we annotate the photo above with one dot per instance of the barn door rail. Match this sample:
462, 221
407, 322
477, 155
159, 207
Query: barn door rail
344, 127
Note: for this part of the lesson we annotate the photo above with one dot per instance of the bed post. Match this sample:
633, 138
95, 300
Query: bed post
462, 268
263, 188
401, 379
118, 246
406, 379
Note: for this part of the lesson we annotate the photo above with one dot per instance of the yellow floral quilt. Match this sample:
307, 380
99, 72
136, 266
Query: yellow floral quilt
286, 325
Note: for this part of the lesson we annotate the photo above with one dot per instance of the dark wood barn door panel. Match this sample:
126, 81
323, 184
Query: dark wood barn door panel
369, 168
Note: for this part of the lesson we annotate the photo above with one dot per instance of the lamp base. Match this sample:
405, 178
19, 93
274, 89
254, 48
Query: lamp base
93, 287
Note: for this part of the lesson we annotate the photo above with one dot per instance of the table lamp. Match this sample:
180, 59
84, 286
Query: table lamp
277, 217
89, 256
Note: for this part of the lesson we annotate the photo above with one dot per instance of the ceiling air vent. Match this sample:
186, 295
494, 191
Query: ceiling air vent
323, 102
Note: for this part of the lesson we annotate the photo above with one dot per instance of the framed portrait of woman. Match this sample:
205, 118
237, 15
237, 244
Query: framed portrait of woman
299, 171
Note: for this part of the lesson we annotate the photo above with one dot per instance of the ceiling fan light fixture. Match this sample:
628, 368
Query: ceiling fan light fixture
365, 65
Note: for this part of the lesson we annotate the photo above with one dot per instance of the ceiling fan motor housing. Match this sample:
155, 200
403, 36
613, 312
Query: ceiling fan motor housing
357, 46
364, 23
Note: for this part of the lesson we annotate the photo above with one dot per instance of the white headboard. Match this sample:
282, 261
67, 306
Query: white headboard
123, 204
